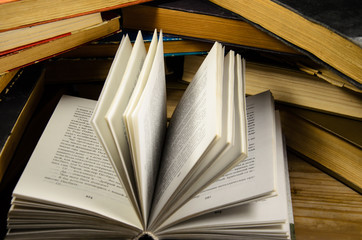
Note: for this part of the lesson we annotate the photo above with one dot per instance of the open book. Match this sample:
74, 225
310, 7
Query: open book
115, 169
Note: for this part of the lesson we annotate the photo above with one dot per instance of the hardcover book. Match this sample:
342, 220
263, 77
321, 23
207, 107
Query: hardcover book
16, 14
17, 103
201, 20
46, 49
327, 31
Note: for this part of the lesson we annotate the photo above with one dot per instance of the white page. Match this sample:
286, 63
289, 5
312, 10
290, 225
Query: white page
120, 100
229, 149
149, 126
99, 124
238, 149
143, 76
136, 94
192, 129
273, 210
219, 236
70, 233
251, 178
227, 131
51, 217
273, 231
69, 167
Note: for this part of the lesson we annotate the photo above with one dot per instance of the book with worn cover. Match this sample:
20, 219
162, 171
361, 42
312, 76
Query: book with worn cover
42, 50
327, 31
316, 136
292, 87
15, 40
16, 14
201, 20
18, 101
114, 168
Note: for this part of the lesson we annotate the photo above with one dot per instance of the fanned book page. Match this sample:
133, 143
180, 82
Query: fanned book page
116, 147
149, 127
113, 169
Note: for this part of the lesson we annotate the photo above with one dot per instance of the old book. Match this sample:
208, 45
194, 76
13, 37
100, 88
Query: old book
295, 87
292, 87
329, 76
327, 31
200, 19
49, 49
145, 180
17, 104
345, 128
15, 40
25, 13
5, 78
104, 49
334, 148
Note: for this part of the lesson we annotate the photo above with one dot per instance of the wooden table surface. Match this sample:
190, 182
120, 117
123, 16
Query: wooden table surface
323, 207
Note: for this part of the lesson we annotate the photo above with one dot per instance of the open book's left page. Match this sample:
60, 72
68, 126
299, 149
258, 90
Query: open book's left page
69, 170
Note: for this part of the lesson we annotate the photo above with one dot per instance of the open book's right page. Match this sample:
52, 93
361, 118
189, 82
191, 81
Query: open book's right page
261, 218
251, 179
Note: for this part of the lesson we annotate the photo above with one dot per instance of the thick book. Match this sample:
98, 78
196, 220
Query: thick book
327, 31
6, 78
15, 40
107, 47
60, 44
114, 168
292, 86
18, 101
332, 143
24, 13
101, 49
202, 20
